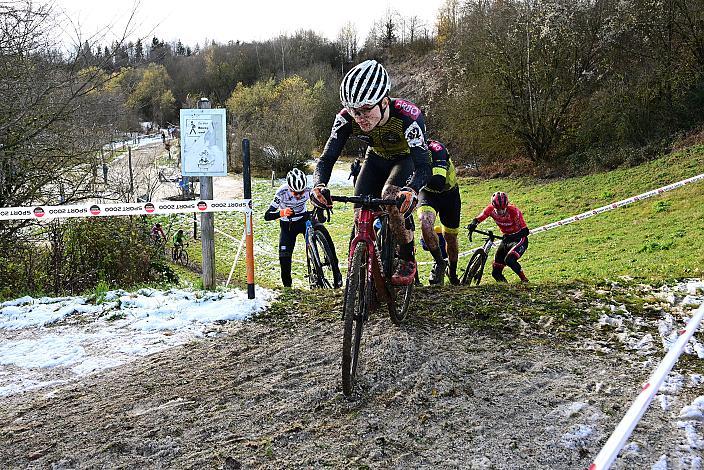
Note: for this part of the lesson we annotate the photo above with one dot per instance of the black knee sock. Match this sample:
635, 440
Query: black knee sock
405, 251
453, 268
497, 274
437, 255
512, 262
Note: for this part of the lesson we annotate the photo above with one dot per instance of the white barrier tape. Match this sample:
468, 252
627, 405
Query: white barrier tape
146, 208
257, 249
237, 258
613, 446
615, 205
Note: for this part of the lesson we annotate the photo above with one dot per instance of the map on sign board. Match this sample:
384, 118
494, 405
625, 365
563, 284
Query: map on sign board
203, 143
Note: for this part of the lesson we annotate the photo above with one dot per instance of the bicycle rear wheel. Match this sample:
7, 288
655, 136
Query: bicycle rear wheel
356, 303
474, 270
398, 309
183, 257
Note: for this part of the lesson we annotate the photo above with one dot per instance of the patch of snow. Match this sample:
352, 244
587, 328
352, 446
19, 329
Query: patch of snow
694, 440
46, 351
646, 345
695, 411
672, 384
631, 449
577, 437
616, 322
691, 301
34, 346
661, 464
696, 379
664, 401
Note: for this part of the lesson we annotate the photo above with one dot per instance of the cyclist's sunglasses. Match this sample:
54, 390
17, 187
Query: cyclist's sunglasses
298, 193
363, 111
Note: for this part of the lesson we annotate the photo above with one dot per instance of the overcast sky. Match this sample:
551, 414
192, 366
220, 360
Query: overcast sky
195, 21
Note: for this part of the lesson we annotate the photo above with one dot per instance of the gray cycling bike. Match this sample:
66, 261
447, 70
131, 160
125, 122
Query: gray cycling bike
475, 268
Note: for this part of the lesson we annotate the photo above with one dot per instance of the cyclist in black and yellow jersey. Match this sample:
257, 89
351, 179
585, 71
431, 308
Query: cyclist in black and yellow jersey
441, 196
397, 162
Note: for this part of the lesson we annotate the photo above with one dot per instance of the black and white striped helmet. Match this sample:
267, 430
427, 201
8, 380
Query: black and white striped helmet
296, 180
365, 84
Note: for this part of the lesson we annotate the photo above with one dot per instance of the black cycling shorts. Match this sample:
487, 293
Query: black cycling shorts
447, 204
512, 245
378, 172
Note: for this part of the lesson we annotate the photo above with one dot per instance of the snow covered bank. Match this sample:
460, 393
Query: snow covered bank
48, 341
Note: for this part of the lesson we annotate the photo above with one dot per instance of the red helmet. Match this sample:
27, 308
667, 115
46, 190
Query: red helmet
499, 200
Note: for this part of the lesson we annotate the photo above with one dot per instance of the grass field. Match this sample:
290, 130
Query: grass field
654, 240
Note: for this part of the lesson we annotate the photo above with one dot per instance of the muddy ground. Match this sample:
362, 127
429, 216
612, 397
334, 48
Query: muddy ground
437, 393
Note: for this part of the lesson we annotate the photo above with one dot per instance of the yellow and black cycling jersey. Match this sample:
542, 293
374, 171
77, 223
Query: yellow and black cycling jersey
443, 177
401, 137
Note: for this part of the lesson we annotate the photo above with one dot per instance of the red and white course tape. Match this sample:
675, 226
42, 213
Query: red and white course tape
615, 205
142, 208
624, 429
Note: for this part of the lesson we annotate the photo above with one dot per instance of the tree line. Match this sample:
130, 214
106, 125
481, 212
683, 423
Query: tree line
578, 84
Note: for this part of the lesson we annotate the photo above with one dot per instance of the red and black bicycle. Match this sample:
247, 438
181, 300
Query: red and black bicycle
372, 260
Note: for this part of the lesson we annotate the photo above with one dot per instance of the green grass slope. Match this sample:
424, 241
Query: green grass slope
656, 239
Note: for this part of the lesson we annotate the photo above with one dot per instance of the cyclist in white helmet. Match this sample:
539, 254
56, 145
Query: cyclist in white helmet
289, 206
397, 162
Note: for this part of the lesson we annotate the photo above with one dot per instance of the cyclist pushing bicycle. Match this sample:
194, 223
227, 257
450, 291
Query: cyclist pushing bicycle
515, 235
397, 161
441, 196
289, 206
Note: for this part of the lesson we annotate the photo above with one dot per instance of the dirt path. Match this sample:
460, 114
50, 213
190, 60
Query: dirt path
267, 395
146, 175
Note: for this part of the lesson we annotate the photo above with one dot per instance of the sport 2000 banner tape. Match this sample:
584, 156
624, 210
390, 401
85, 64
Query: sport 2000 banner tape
615, 205
142, 208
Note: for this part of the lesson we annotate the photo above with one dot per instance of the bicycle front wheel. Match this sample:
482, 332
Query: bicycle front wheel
398, 309
355, 314
474, 268
183, 257
323, 261
312, 273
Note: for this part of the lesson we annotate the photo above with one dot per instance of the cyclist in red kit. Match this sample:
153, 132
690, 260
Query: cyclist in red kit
515, 233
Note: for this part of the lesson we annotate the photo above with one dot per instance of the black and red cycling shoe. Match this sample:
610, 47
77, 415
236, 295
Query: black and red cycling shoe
405, 273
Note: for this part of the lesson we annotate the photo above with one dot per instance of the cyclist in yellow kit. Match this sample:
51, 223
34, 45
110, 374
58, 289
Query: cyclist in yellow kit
441, 197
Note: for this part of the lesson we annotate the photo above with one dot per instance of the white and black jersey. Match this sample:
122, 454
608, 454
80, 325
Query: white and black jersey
283, 199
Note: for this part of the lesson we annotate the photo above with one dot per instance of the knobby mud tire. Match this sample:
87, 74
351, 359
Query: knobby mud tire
323, 261
354, 316
474, 269
398, 310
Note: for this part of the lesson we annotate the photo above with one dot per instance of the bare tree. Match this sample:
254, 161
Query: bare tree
347, 41
49, 110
